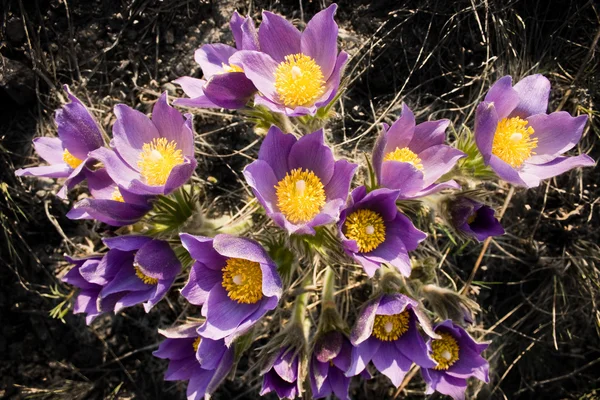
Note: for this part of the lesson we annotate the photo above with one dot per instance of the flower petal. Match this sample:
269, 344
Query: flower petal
172, 126
223, 315
557, 166
110, 212
278, 37
503, 96
261, 179
275, 150
212, 57
201, 249
556, 133
389, 361
319, 39
402, 176
339, 184
200, 283
428, 134
50, 149
533, 91
486, 123
362, 354
230, 90
401, 133
437, 161
157, 260
363, 326
130, 132
260, 69
310, 153
48, 171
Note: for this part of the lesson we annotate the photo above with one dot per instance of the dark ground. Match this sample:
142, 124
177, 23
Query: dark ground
538, 288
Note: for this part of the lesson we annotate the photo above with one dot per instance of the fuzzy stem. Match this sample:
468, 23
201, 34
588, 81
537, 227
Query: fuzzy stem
300, 304
327, 299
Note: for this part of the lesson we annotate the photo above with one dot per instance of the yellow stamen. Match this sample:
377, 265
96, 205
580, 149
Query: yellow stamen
71, 160
157, 159
444, 351
367, 228
117, 196
231, 68
471, 218
196, 343
512, 141
300, 195
404, 155
390, 327
242, 279
299, 81
145, 278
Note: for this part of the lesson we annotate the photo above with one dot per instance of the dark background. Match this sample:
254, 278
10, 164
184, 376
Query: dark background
538, 287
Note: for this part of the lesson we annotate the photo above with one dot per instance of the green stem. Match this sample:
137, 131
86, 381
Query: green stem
327, 299
300, 304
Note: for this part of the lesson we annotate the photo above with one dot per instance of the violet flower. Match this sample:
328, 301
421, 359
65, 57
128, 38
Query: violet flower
281, 375
373, 231
88, 301
204, 362
295, 73
151, 157
458, 358
328, 365
412, 158
298, 182
234, 280
474, 219
519, 140
109, 203
386, 333
224, 84
67, 154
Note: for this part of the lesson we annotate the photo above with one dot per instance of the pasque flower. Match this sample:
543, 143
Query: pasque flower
329, 362
474, 219
151, 157
386, 333
224, 84
412, 158
282, 374
234, 280
458, 357
201, 361
295, 73
373, 231
78, 134
298, 181
136, 269
519, 140
109, 203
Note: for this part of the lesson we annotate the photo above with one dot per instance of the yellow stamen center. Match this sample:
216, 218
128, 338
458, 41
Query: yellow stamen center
366, 227
444, 351
117, 196
390, 327
404, 155
71, 160
231, 68
512, 141
145, 278
300, 195
157, 159
299, 81
242, 279
196, 343
471, 218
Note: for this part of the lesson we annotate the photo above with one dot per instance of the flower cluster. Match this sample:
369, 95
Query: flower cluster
317, 218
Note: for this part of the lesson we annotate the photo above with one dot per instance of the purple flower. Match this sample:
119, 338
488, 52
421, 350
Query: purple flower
78, 134
88, 301
224, 84
110, 204
295, 73
374, 231
234, 280
411, 158
329, 362
519, 140
298, 182
282, 374
458, 358
474, 219
204, 362
151, 157
386, 333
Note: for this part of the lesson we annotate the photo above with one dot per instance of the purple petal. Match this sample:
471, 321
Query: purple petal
486, 123
402, 176
194, 88
278, 37
262, 180
437, 161
175, 349
229, 90
310, 153
131, 299
179, 175
339, 184
201, 249
200, 380
181, 331
210, 352
394, 252
319, 39
556, 133
533, 91
445, 384
270, 105
403, 227
238, 247
392, 304
509, 174
557, 166
162, 288
401, 133
181, 369
125, 281
436, 187
275, 150
200, 283
101, 273
412, 345
286, 366
244, 32
503, 97
340, 384
130, 132
172, 126
211, 58
260, 69
362, 354
120, 172
332, 84
110, 212
273, 382
318, 374
157, 260
428, 134
49, 171
77, 128
50, 149
126, 243
390, 362
363, 326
